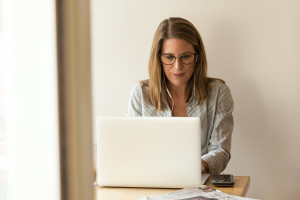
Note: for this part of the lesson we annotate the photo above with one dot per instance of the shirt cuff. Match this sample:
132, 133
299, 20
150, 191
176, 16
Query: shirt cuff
216, 161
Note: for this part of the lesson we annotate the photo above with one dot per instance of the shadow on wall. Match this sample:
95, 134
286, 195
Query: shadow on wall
254, 144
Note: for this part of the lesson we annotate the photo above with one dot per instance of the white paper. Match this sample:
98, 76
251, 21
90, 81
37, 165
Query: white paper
196, 193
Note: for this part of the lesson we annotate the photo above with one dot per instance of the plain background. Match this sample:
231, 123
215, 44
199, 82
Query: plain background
253, 45
29, 137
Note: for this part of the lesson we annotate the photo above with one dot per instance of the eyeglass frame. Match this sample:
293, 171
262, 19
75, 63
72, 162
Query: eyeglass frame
195, 54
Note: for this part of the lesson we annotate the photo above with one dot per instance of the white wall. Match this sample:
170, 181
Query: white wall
253, 45
30, 110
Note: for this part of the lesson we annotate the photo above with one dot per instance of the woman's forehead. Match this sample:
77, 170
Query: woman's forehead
177, 46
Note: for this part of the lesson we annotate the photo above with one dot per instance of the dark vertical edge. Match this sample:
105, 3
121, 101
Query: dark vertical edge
62, 109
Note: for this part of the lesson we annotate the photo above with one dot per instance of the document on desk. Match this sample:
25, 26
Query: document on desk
196, 193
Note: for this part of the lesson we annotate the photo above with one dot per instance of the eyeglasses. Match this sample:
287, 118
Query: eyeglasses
169, 59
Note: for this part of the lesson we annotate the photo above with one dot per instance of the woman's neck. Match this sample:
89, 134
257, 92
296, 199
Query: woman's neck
177, 92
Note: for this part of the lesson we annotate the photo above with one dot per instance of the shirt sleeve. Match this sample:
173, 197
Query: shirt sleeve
218, 154
135, 101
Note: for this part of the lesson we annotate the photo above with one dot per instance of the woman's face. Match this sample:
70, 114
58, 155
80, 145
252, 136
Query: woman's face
178, 73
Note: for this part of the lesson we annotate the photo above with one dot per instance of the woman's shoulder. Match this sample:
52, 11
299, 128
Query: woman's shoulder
220, 94
139, 88
141, 85
217, 85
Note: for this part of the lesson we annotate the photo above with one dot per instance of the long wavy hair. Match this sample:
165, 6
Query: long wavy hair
181, 29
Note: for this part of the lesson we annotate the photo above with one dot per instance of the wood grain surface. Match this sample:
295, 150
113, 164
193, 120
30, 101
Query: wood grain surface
240, 188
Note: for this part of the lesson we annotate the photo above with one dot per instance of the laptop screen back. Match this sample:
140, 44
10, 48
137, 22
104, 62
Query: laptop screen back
160, 152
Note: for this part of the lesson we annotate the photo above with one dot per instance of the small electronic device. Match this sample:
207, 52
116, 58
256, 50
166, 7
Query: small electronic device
222, 180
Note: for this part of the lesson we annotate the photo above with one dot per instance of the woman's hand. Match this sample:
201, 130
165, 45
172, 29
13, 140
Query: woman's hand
204, 163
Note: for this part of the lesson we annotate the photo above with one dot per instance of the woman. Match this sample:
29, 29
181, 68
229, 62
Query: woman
179, 87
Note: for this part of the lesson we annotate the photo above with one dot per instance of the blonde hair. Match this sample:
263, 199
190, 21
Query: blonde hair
182, 29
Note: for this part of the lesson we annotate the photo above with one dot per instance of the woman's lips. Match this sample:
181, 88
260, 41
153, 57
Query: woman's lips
178, 75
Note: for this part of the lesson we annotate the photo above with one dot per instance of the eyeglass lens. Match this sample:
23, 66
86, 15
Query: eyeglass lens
185, 59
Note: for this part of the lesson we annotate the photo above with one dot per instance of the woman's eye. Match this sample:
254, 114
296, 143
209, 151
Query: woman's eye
170, 57
186, 57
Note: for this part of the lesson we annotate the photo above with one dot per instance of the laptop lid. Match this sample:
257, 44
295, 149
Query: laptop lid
159, 152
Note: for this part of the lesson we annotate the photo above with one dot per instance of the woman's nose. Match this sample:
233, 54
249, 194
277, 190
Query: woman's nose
177, 64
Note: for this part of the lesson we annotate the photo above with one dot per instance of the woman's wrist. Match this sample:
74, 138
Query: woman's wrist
205, 168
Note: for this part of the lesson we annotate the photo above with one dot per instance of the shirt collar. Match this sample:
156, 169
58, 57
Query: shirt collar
164, 98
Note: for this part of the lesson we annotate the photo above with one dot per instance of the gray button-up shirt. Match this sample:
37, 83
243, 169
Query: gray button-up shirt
215, 116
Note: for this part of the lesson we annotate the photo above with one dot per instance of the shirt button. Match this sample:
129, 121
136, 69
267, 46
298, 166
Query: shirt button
189, 108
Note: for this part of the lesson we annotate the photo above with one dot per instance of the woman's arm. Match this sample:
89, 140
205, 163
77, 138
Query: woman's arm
218, 154
135, 101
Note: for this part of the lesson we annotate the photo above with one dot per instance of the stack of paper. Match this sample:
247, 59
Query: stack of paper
196, 193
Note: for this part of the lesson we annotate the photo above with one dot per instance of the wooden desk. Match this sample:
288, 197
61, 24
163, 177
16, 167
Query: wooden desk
241, 186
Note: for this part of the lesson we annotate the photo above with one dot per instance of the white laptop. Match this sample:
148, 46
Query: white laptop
156, 152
